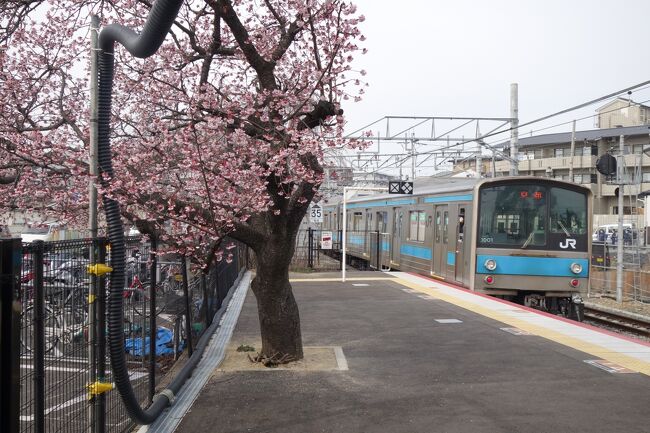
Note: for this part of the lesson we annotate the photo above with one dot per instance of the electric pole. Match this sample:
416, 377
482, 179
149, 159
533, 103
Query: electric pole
514, 132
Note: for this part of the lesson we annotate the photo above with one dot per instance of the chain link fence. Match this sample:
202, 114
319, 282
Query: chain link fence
636, 271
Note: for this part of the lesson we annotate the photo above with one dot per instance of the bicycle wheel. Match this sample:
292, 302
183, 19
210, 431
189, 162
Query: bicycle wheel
52, 329
141, 301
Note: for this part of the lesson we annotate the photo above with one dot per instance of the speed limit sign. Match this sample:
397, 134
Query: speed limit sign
316, 214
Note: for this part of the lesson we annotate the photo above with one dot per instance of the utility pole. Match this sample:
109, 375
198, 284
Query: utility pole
92, 210
620, 179
514, 132
412, 160
573, 151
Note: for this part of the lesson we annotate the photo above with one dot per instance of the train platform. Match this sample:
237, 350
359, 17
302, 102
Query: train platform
410, 354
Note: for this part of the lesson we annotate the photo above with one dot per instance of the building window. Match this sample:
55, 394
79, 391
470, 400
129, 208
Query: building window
578, 151
558, 152
577, 178
646, 177
537, 154
627, 210
417, 226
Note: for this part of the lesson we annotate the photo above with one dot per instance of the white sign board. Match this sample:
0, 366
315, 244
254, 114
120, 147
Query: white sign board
316, 214
326, 240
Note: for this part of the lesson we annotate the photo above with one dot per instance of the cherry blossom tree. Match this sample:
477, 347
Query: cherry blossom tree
222, 132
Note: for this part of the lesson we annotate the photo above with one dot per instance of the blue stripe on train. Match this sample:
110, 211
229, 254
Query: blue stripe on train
539, 266
380, 203
356, 239
445, 199
415, 251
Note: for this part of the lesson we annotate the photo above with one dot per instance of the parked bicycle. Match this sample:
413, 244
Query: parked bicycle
65, 317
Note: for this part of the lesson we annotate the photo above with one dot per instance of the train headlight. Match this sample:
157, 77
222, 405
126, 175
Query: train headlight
576, 268
490, 264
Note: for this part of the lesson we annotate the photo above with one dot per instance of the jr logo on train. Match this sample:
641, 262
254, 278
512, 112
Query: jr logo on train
525, 239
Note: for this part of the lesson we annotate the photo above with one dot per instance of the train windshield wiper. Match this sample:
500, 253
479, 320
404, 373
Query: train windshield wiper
563, 228
530, 238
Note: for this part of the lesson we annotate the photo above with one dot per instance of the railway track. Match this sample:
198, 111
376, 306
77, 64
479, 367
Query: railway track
616, 322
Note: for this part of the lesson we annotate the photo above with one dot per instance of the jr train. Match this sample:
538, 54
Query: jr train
525, 239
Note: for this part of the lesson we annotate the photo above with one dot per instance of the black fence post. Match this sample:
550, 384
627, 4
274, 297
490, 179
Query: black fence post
217, 289
188, 318
10, 309
100, 335
310, 247
206, 301
39, 337
152, 317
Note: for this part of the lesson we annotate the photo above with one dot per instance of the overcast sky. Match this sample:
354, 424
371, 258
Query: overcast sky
458, 58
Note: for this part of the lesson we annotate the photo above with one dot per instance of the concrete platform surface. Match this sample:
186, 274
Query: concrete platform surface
418, 363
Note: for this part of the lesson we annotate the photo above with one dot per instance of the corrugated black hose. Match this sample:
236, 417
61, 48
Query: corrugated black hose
160, 20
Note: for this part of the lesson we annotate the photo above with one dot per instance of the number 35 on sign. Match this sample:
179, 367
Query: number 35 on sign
316, 214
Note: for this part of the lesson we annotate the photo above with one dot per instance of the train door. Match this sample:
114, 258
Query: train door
397, 236
460, 245
382, 226
440, 240
367, 235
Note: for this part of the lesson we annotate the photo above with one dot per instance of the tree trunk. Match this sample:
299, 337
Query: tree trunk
276, 306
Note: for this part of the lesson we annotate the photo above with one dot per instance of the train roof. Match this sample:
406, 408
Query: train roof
428, 186
422, 186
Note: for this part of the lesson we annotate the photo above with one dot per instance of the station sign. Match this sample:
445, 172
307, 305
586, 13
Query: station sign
326, 240
316, 214
395, 187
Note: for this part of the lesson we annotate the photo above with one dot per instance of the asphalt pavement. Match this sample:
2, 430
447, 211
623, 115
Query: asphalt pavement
416, 364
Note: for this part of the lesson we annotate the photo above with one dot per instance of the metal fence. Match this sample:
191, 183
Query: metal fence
636, 271
320, 250
312, 253
63, 328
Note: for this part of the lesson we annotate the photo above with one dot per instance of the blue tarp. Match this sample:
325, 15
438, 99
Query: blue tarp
164, 343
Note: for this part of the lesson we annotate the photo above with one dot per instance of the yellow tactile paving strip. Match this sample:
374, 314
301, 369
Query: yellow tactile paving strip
572, 342
319, 280
541, 331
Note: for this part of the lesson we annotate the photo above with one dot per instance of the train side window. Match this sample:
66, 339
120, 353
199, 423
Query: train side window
461, 220
399, 225
461, 224
445, 226
357, 217
417, 221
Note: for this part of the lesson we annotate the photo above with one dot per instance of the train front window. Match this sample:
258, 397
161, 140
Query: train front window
568, 212
513, 216
568, 227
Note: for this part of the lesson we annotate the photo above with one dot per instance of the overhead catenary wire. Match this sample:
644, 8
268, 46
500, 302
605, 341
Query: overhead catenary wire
640, 86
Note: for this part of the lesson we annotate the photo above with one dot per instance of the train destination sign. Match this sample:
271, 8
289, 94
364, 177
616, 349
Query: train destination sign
400, 187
